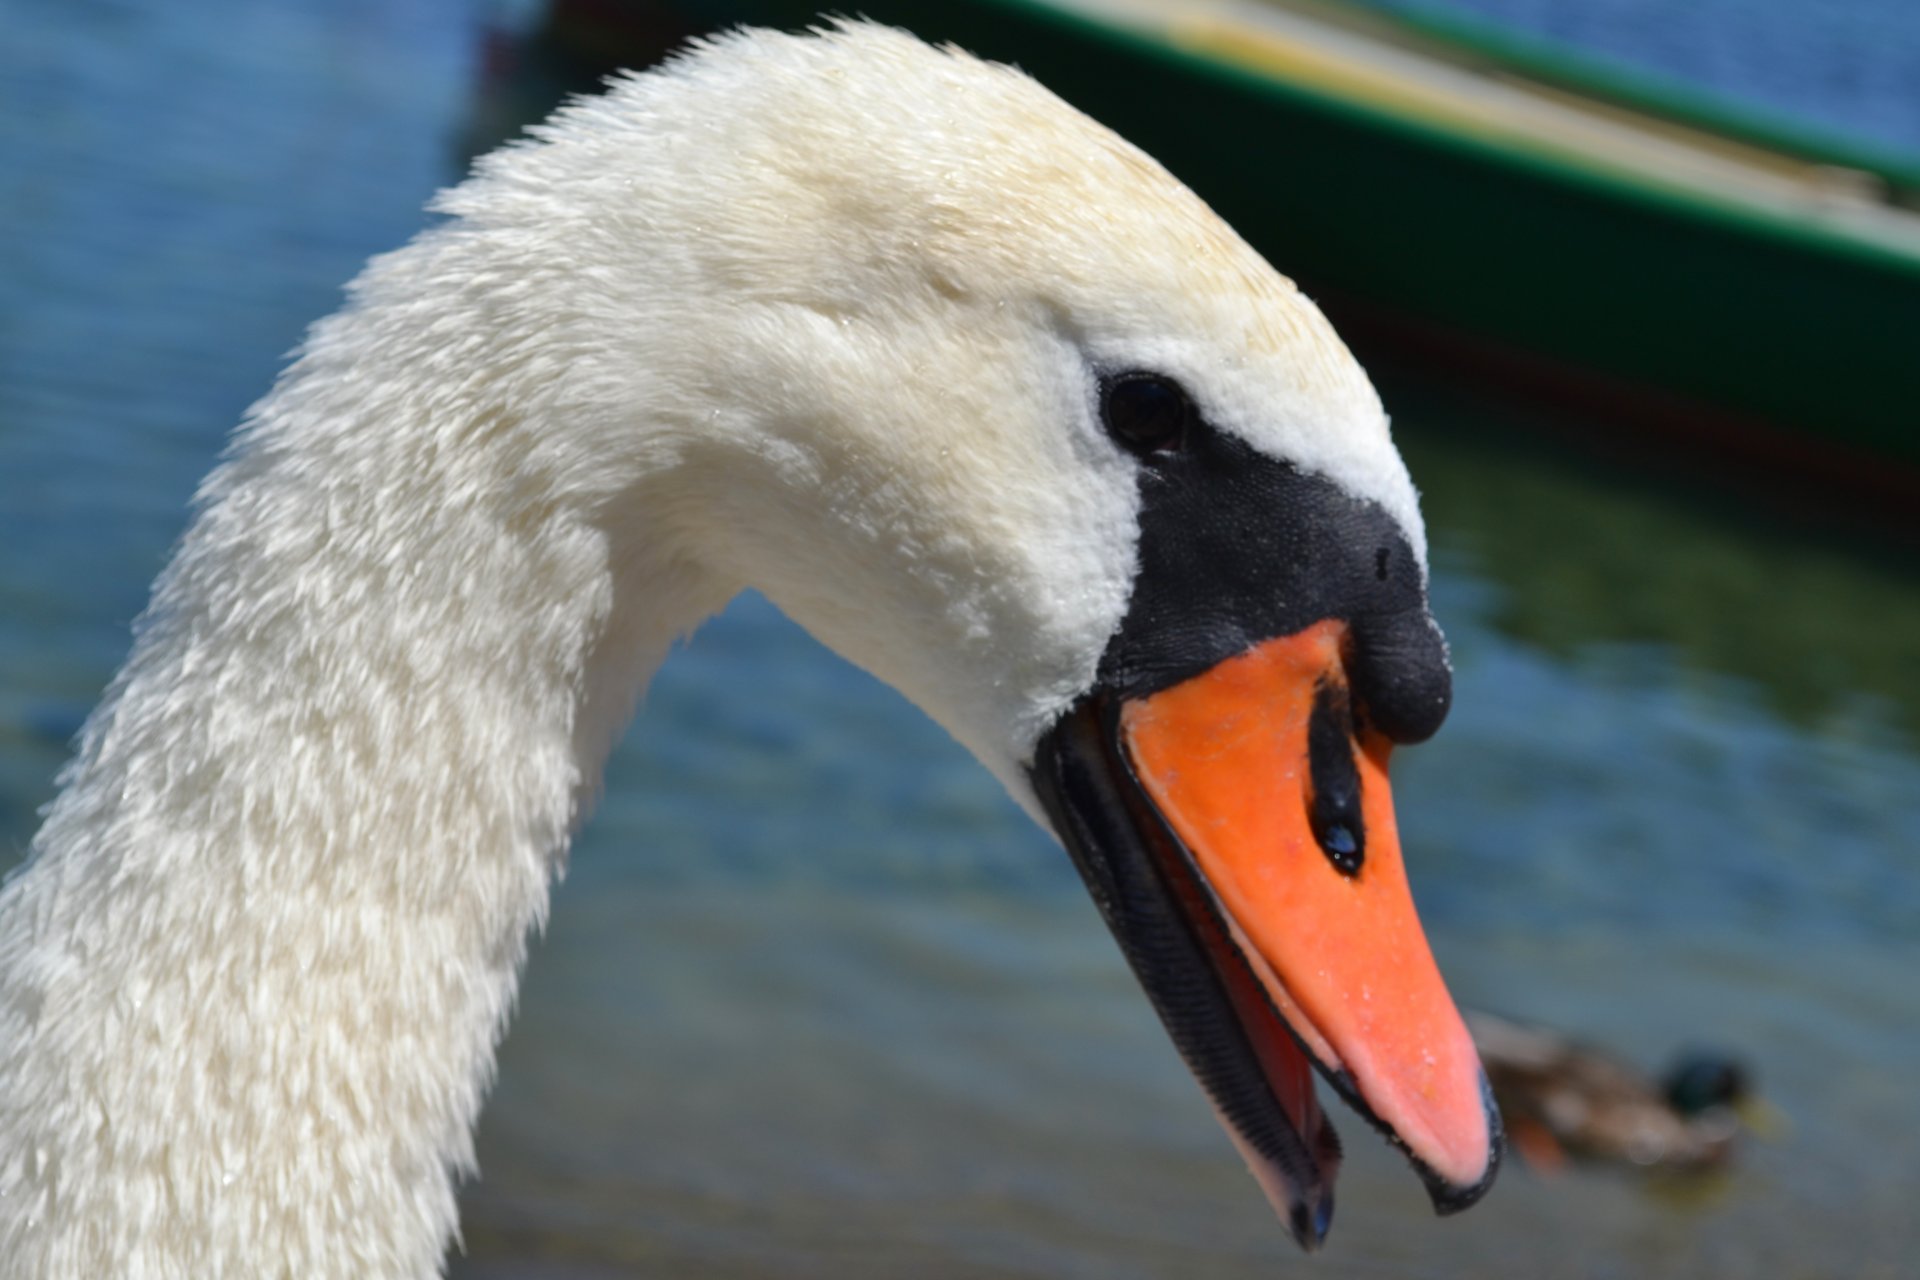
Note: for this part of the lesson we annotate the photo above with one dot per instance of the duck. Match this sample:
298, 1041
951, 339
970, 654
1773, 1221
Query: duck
1563, 1100
973, 390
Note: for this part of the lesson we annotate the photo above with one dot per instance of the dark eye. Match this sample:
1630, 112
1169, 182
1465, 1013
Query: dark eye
1147, 412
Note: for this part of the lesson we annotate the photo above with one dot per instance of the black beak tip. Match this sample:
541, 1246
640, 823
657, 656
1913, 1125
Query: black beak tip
1449, 1197
1310, 1222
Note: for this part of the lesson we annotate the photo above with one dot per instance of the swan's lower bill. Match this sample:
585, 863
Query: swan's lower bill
1236, 830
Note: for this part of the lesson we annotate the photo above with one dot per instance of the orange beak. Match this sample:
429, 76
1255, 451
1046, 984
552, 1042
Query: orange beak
1282, 801
1236, 831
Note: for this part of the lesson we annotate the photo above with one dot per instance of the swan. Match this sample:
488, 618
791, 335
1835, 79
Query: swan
972, 389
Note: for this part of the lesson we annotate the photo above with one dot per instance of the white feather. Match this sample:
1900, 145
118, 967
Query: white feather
818, 314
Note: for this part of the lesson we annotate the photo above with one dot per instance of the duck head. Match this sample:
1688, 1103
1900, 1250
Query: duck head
983, 397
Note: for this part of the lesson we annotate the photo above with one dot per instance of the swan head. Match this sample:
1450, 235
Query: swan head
987, 400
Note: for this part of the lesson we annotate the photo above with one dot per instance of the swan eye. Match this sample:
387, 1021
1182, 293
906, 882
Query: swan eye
1147, 412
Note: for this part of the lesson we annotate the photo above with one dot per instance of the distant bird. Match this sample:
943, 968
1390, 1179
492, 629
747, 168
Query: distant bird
971, 388
1560, 1098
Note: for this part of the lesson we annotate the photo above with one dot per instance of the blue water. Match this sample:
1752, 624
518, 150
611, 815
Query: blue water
816, 999
1850, 66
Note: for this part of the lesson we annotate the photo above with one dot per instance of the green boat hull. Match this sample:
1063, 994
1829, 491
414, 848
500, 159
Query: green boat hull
1720, 315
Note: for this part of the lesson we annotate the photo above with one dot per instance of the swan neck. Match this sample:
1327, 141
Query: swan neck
253, 976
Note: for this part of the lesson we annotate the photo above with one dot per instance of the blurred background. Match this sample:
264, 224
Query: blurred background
1640, 285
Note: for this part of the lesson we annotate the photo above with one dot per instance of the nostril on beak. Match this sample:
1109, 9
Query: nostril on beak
1333, 780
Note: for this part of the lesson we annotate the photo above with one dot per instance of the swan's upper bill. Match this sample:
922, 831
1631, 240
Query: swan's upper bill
972, 389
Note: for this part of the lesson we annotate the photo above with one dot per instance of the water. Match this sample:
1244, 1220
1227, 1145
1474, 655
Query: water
816, 1000
1847, 65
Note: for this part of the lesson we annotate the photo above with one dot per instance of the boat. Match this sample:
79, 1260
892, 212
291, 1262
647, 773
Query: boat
1504, 205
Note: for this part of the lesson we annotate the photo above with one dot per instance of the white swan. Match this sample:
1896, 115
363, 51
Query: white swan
971, 388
